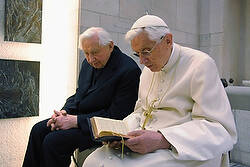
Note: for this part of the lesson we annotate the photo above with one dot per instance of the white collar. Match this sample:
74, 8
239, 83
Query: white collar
172, 59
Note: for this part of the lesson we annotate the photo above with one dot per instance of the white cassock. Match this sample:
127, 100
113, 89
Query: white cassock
191, 110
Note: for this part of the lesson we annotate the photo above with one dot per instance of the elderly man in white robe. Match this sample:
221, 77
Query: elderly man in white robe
182, 117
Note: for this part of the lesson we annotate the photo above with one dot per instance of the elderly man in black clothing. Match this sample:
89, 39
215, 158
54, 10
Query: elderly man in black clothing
107, 87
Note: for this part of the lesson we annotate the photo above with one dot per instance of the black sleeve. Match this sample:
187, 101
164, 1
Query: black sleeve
70, 106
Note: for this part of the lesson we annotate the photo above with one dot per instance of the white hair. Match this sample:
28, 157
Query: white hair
103, 36
155, 33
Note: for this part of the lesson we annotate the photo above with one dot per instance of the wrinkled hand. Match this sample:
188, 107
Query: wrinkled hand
52, 120
145, 141
64, 122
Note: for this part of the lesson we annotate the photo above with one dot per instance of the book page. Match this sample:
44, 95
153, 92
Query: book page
106, 124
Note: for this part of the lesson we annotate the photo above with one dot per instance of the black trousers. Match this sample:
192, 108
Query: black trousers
48, 148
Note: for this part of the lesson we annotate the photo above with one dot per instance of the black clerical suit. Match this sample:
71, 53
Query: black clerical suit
107, 92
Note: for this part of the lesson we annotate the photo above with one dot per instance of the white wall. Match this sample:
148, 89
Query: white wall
237, 40
232, 21
58, 72
212, 30
225, 36
244, 72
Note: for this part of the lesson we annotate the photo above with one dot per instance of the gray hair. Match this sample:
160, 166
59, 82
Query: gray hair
103, 35
155, 33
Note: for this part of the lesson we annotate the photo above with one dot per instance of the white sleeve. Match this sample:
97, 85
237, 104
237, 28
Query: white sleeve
211, 130
133, 120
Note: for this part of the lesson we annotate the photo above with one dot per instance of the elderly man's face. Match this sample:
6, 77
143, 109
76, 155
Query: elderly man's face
96, 55
159, 52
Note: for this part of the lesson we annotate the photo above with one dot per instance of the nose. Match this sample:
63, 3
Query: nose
92, 58
143, 60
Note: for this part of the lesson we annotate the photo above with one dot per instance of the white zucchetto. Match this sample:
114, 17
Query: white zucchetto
149, 21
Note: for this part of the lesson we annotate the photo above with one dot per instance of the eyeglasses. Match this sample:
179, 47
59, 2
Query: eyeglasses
147, 53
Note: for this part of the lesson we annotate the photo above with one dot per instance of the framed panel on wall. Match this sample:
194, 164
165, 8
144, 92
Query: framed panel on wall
19, 88
23, 21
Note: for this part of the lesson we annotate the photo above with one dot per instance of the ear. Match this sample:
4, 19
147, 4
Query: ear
111, 45
169, 39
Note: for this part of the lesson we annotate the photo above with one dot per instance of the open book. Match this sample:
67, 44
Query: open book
106, 129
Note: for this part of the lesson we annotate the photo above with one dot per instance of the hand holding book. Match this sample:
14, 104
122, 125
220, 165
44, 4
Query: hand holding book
145, 141
140, 141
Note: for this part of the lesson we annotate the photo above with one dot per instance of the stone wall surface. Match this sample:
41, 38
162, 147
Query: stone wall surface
57, 55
